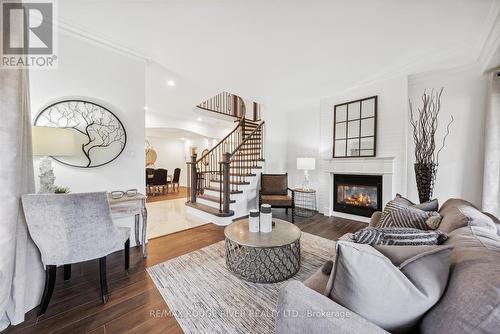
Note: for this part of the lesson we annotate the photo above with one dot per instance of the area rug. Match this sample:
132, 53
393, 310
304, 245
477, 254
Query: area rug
205, 297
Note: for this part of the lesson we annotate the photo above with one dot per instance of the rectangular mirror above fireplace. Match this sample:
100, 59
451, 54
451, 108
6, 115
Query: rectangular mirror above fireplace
355, 128
359, 195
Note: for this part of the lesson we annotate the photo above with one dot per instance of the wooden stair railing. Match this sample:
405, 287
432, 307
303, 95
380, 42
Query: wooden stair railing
230, 105
228, 163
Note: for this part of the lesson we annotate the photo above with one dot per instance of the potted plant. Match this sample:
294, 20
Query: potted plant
61, 190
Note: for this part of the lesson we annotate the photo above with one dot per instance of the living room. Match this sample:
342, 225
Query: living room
339, 162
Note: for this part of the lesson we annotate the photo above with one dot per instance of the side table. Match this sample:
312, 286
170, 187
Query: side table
305, 202
132, 206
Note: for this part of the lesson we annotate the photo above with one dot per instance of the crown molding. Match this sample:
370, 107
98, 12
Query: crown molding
83, 34
421, 77
489, 40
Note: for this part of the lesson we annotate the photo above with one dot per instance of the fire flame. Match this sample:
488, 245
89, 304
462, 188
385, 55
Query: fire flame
359, 200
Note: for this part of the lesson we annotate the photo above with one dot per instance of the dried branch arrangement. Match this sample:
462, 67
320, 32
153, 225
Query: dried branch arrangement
425, 125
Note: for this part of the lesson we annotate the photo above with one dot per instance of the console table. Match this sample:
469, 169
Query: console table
132, 206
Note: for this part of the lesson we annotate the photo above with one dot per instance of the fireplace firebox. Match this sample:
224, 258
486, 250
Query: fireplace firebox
357, 194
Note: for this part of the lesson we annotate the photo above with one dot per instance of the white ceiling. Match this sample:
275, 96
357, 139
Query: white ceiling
287, 53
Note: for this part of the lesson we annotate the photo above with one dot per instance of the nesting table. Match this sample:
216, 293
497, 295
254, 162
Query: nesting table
263, 257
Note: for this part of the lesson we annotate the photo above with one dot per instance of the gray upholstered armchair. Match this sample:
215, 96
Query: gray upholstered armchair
73, 228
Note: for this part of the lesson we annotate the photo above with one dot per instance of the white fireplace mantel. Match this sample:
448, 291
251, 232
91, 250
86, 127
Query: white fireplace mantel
383, 166
369, 166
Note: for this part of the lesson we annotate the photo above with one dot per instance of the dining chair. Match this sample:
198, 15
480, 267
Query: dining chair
160, 179
73, 228
175, 179
149, 179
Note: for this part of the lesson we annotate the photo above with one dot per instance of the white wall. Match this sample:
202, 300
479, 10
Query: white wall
174, 153
275, 139
303, 142
391, 130
115, 80
460, 172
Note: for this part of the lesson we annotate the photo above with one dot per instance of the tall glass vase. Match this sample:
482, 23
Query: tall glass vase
425, 174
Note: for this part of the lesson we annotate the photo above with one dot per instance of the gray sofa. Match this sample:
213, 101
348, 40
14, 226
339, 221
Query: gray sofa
470, 303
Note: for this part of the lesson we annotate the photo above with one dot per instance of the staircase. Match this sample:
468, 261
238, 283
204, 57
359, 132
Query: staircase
222, 184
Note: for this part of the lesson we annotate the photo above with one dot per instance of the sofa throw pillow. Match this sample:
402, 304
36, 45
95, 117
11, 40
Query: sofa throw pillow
432, 205
398, 213
413, 218
398, 236
397, 203
458, 213
400, 202
409, 290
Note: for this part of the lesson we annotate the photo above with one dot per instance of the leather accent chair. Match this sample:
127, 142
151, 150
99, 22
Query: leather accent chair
275, 192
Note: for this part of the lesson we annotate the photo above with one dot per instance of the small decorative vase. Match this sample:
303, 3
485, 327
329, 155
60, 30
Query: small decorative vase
425, 175
46, 176
254, 221
266, 218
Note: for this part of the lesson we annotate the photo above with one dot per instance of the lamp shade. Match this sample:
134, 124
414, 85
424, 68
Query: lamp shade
48, 141
306, 163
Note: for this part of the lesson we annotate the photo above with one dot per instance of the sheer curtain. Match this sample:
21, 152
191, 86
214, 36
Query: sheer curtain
21, 272
491, 185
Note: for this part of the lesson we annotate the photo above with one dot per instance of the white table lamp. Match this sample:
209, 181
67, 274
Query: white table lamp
306, 164
51, 142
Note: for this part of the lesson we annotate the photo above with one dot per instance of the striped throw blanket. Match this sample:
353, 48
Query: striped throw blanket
398, 236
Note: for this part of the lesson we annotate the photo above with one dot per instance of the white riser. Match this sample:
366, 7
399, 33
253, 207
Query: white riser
209, 218
244, 202
236, 197
213, 204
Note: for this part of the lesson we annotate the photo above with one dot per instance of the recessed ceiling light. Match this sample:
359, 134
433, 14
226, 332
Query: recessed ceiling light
183, 138
146, 108
200, 119
171, 83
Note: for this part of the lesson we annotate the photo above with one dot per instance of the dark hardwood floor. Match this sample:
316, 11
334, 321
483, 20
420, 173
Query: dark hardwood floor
135, 305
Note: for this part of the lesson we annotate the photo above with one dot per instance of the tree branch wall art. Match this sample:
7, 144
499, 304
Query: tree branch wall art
100, 135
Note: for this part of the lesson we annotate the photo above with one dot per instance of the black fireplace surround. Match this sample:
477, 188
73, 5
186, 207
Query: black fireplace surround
359, 195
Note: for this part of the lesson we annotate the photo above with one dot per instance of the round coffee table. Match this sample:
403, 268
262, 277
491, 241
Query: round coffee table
263, 257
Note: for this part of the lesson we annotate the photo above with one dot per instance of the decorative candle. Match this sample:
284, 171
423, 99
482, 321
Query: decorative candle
266, 218
253, 221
